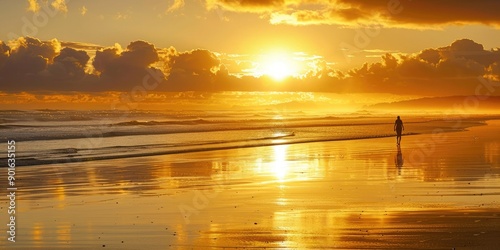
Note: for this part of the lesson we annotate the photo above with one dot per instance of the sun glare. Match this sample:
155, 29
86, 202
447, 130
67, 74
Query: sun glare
278, 66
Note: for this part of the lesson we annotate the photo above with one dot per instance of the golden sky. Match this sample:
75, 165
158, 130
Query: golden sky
403, 47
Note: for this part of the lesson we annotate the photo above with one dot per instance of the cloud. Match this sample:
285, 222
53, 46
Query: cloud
193, 70
494, 71
83, 10
392, 13
120, 70
454, 69
326, 14
196, 62
69, 64
31, 64
4, 53
247, 5
33, 6
138, 54
104, 58
177, 4
238, 65
60, 5
29, 56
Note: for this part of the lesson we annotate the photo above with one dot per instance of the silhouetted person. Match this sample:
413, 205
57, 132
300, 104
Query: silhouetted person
398, 127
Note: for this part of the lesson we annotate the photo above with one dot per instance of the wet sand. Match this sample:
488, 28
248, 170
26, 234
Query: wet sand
437, 191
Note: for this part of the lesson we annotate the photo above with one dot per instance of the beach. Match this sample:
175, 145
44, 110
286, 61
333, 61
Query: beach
250, 124
435, 191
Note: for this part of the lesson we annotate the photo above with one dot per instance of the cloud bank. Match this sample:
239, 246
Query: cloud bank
454, 69
421, 14
29, 65
393, 13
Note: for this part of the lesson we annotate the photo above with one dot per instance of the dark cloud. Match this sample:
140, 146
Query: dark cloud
104, 58
4, 53
445, 12
28, 46
431, 56
413, 67
470, 50
193, 70
32, 64
196, 62
27, 59
119, 70
400, 13
139, 54
428, 11
454, 69
69, 64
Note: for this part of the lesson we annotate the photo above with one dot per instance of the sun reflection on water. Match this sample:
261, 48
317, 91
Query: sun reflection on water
63, 232
280, 166
37, 232
60, 192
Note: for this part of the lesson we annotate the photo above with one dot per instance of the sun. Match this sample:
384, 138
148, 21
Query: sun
278, 66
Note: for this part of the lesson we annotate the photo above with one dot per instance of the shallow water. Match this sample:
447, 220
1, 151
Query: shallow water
435, 191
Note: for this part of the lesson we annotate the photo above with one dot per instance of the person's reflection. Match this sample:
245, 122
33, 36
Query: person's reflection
399, 160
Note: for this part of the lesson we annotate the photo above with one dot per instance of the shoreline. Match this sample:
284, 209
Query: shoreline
27, 162
32, 162
347, 194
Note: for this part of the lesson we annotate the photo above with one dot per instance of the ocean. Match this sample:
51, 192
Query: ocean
65, 136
